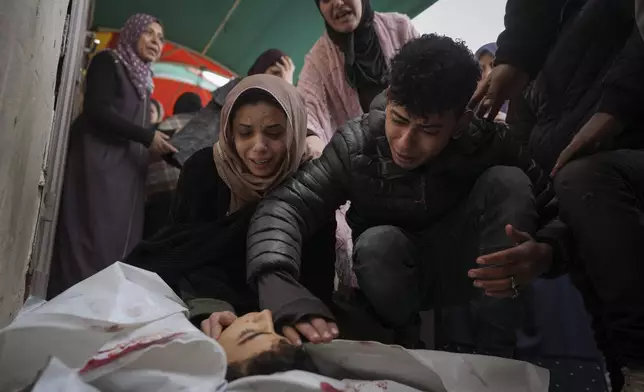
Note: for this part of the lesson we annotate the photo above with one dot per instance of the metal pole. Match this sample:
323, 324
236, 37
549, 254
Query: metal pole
221, 27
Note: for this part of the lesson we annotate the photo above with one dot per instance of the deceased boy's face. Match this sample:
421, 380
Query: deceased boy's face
249, 336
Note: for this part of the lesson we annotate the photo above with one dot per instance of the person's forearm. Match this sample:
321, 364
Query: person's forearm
557, 236
288, 299
622, 93
201, 308
107, 120
531, 29
293, 212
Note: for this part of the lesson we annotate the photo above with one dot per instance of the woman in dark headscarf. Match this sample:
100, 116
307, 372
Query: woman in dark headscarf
485, 56
274, 62
359, 42
101, 216
344, 71
203, 129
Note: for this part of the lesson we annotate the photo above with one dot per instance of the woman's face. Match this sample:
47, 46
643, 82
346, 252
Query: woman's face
486, 61
342, 15
249, 336
154, 114
151, 42
259, 131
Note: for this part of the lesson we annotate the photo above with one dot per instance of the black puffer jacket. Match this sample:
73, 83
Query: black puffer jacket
357, 166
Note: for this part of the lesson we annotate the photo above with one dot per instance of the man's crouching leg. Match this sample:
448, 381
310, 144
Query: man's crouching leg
385, 263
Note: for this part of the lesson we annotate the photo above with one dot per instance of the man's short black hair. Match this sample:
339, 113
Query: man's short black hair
282, 358
433, 74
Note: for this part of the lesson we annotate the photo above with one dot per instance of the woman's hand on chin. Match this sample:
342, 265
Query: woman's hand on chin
315, 330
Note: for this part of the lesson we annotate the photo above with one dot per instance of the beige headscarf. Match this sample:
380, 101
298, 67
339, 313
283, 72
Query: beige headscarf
244, 186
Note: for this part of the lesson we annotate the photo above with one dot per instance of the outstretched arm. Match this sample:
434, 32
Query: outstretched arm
296, 209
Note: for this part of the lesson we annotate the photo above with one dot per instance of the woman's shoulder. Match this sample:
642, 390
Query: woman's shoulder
393, 19
321, 52
201, 160
104, 57
321, 62
399, 24
200, 169
394, 31
102, 64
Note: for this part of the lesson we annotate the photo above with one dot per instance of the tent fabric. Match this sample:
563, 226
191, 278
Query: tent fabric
254, 26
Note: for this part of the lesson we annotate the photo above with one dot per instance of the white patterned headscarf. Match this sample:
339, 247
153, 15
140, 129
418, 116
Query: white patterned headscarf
138, 70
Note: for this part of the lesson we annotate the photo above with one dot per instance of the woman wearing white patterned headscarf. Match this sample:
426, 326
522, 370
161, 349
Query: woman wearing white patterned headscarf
101, 217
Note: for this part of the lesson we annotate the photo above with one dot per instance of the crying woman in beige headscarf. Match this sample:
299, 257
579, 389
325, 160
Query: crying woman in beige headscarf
263, 137
201, 251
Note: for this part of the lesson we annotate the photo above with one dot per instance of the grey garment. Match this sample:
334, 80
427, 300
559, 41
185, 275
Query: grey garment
176, 122
102, 205
203, 130
201, 308
402, 272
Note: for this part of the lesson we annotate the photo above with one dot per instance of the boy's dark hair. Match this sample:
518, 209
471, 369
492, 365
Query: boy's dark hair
282, 358
433, 74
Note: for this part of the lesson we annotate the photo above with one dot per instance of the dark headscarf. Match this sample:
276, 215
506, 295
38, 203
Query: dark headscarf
188, 102
365, 64
487, 48
265, 61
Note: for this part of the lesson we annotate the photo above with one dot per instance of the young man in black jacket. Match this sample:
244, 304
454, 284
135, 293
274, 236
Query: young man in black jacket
432, 191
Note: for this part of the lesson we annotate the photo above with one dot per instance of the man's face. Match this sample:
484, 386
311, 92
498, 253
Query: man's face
414, 141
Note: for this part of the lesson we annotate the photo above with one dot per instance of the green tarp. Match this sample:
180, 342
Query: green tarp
255, 25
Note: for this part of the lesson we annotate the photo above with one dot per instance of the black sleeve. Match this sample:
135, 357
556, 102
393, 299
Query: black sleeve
318, 261
295, 210
518, 155
101, 87
558, 236
199, 309
531, 29
509, 151
288, 300
197, 192
622, 93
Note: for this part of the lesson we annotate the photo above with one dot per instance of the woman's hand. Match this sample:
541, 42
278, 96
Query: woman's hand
316, 330
287, 67
509, 269
216, 323
315, 146
160, 144
284, 68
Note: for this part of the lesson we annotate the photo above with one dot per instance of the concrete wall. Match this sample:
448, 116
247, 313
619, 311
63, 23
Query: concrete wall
31, 34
